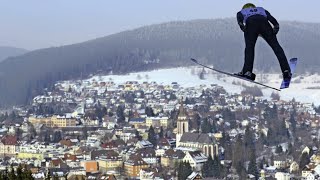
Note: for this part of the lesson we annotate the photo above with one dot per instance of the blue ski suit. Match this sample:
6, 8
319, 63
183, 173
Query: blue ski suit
254, 22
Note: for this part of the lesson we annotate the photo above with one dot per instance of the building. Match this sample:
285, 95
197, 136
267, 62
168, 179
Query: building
194, 176
280, 163
294, 167
194, 141
171, 158
282, 176
157, 122
90, 166
133, 166
137, 122
28, 155
195, 159
110, 161
148, 155
8, 146
150, 173
54, 121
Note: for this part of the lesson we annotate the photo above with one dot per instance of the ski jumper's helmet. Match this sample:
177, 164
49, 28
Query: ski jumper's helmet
248, 5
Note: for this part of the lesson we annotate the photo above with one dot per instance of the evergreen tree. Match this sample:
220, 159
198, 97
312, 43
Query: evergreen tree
304, 160
272, 160
279, 149
216, 169
207, 170
149, 111
120, 114
283, 128
184, 170
48, 177
28, 175
12, 174
248, 139
252, 168
57, 136
270, 136
205, 126
138, 136
290, 149
152, 136
161, 132
237, 158
20, 175
201, 74
47, 138
262, 163
274, 112
293, 122
5, 174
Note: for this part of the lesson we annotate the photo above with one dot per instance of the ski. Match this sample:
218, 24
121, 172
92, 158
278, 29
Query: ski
230, 74
292, 63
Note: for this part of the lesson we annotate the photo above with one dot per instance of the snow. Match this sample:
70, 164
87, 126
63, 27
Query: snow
184, 77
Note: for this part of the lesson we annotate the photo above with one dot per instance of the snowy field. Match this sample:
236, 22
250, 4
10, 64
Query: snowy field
305, 90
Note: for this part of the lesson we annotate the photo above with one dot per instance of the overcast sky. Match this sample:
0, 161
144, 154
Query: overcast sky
34, 24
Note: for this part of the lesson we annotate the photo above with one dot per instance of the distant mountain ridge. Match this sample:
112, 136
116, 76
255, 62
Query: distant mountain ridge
6, 51
216, 42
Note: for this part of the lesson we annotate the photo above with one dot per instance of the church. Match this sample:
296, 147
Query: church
193, 141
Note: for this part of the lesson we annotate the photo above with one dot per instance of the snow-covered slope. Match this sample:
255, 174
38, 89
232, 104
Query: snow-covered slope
304, 89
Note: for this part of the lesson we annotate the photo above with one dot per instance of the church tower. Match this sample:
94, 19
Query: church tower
182, 123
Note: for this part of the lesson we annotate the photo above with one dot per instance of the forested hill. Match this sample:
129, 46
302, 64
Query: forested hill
6, 52
217, 42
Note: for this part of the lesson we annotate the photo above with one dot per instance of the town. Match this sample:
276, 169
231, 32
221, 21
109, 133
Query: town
96, 129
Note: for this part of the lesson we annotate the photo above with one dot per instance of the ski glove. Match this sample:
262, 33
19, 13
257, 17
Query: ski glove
242, 27
276, 29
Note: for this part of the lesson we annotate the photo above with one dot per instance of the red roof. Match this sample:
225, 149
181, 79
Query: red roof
9, 140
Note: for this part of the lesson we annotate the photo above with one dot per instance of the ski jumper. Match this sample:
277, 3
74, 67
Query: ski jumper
256, 22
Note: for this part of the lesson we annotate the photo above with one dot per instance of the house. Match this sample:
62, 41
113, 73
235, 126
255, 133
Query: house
157, 122
9, 145
294, 167
30, 155
317, 169
312, 176
144, 144
282, 176
315, 158
150, 173
56, 163
280, 163
148, 155
196, 159
137, 122
305, 171
54, 121
171, 157
90, 166
133, 166
110, 160
306, 150
194, 176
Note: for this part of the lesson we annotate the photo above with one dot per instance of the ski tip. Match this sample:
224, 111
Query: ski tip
194, 60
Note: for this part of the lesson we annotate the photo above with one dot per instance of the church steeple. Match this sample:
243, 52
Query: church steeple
182, 113
182, 123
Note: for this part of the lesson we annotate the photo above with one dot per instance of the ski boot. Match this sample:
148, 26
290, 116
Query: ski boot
248, 75
287, 75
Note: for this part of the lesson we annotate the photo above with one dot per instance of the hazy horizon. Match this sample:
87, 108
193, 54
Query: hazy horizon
36, 24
